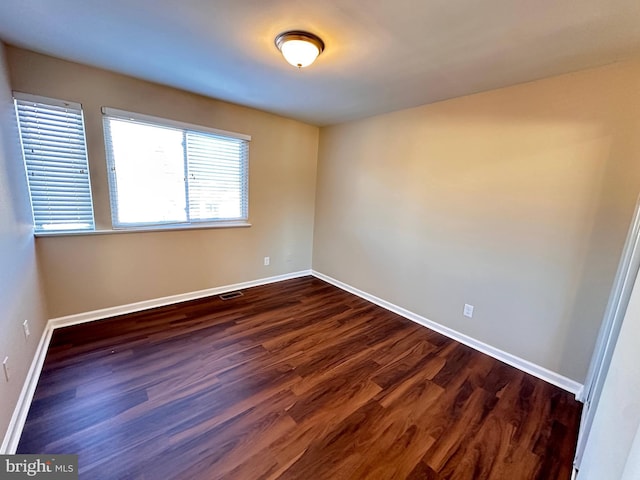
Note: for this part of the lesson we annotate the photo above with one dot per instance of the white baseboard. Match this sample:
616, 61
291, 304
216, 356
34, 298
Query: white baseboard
19, 417
161, 302
16, 425
526, 366
580, 394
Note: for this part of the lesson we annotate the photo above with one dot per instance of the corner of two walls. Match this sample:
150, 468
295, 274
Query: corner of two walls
516, 201
91, 272
21, 293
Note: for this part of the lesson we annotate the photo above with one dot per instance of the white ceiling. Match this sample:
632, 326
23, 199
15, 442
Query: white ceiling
380, 55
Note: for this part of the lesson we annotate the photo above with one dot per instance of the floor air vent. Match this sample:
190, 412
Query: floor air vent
230, 295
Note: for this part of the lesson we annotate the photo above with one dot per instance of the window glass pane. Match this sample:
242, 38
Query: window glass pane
148, 165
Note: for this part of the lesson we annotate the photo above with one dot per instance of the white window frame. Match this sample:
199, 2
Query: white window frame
114, 113
42, 201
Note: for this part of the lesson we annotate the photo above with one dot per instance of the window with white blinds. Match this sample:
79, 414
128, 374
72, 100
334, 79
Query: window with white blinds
163, 172
55, 158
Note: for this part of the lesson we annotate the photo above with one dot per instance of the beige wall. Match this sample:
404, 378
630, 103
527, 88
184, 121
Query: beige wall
516, 201
21, 296
85, 273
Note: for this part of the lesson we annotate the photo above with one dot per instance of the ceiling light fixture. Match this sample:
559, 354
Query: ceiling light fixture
299, 48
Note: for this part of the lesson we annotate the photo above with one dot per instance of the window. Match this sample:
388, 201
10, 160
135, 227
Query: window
55, 158
163, 172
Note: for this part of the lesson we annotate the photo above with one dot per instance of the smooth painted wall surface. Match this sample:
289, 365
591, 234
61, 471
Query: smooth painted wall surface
84, 273
21, 295
632, 465
516, 201
610, 445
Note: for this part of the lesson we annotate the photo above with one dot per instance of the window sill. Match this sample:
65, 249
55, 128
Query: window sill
166, 228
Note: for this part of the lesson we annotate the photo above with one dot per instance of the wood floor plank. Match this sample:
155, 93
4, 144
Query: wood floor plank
293, 380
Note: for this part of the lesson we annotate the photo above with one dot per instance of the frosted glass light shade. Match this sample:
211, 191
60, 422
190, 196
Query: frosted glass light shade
300, 49
299, 53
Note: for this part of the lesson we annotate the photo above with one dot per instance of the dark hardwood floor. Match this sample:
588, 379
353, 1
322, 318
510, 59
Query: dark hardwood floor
294, 380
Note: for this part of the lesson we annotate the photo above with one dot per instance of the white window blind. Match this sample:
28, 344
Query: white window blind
55, 158
163, 172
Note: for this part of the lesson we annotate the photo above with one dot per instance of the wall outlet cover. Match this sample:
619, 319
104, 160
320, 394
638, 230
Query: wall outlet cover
468, 310
5, 367
25, 327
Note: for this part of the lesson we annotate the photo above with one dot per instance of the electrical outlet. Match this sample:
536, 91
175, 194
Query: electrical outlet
267, 260
5, 367
25, 328
468, 310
